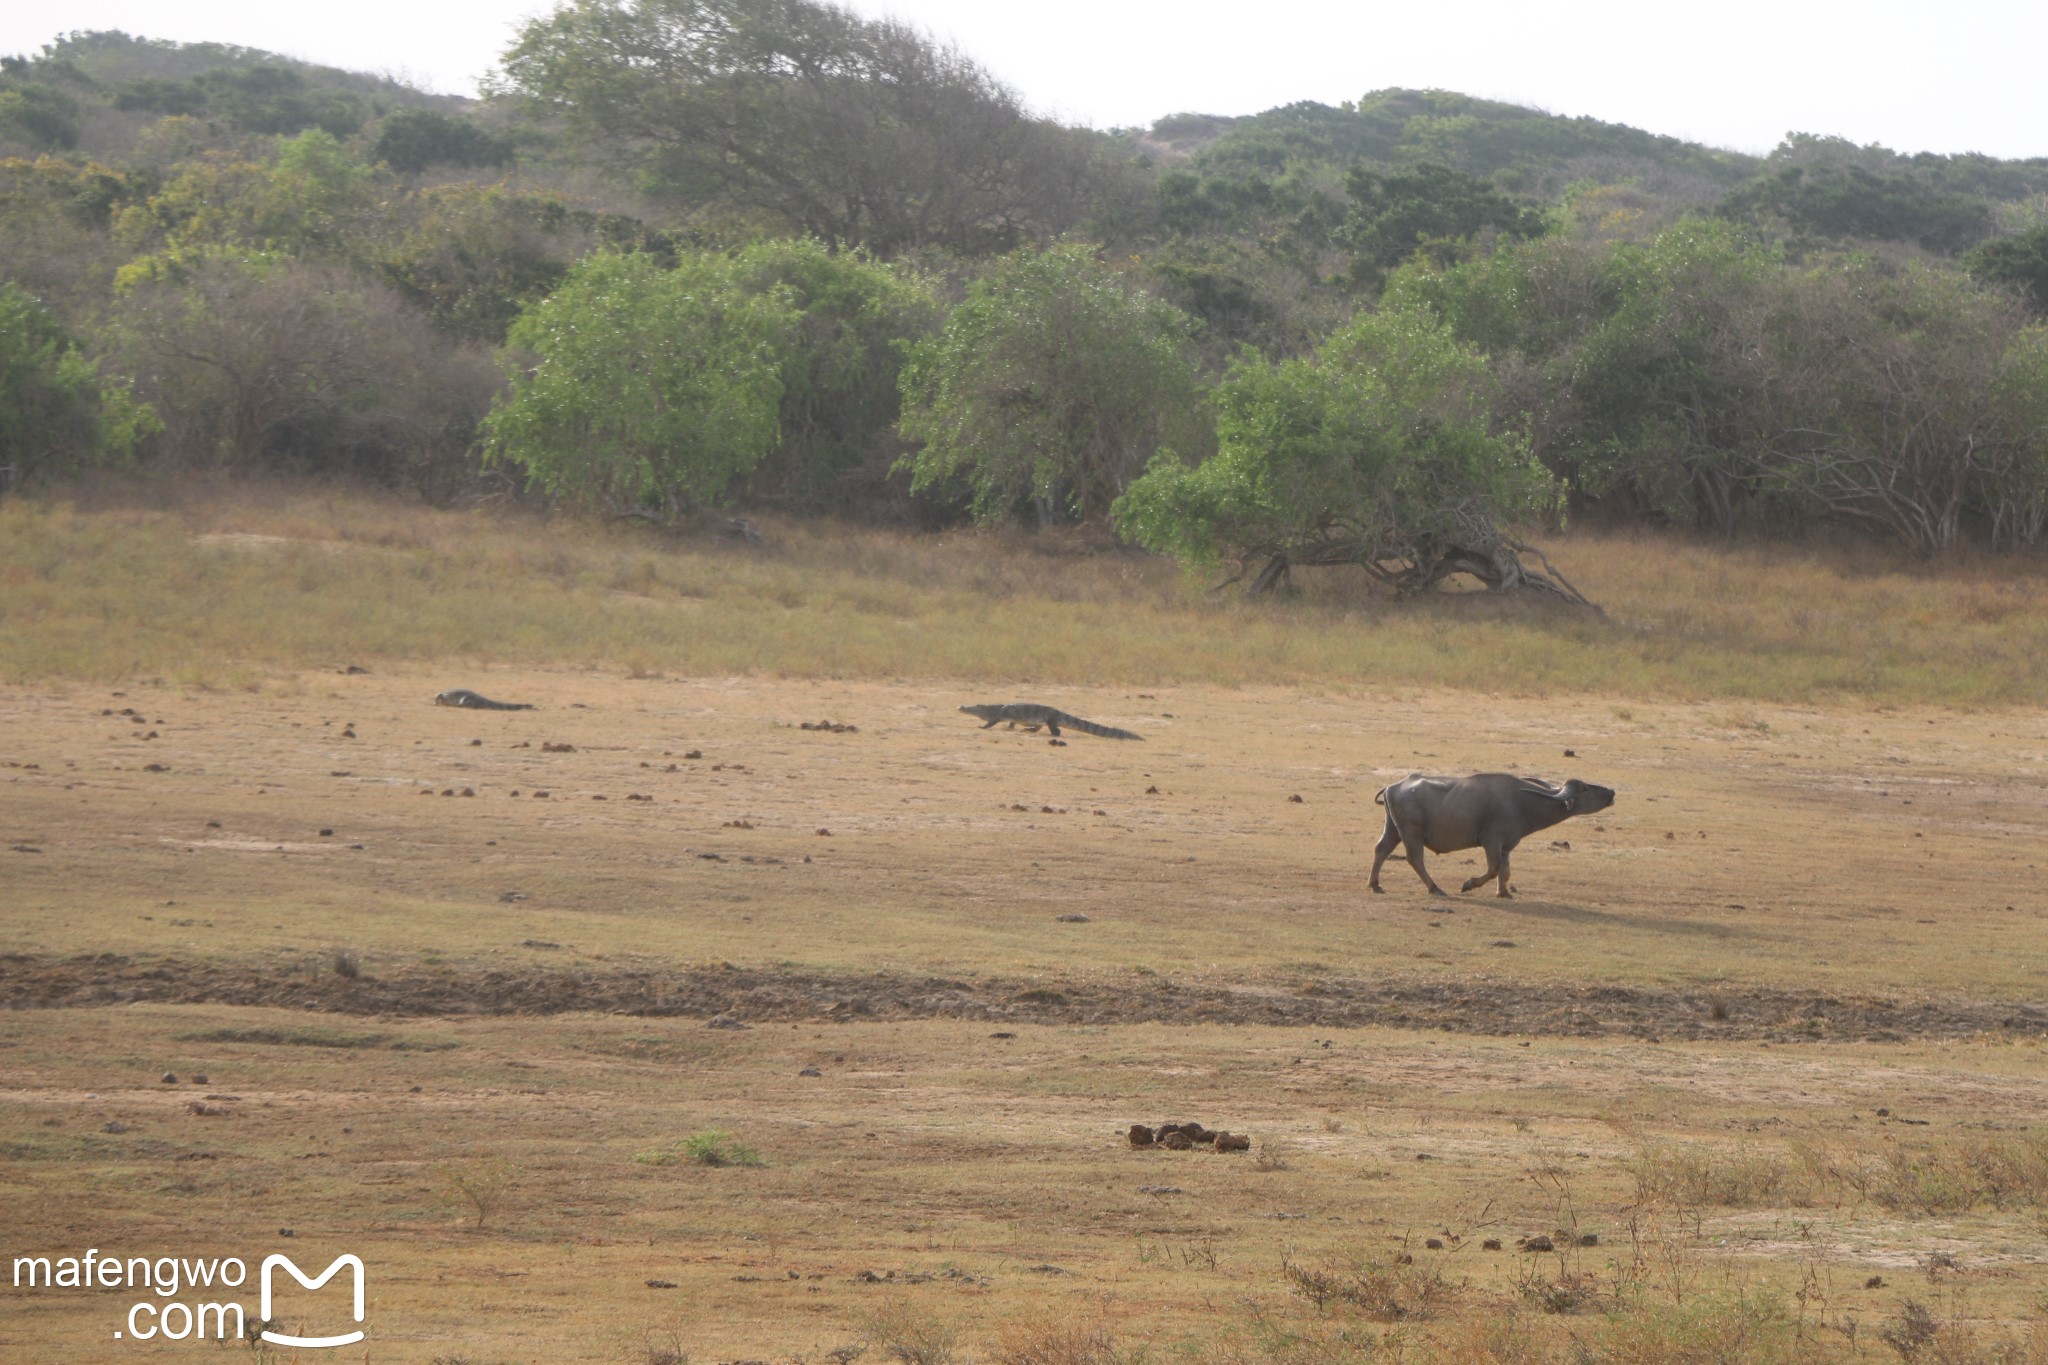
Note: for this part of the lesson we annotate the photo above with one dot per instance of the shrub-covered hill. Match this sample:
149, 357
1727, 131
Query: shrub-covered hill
807, 257
1521, 147
91, 93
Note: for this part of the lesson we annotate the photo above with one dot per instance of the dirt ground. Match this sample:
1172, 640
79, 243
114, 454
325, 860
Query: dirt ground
408, 944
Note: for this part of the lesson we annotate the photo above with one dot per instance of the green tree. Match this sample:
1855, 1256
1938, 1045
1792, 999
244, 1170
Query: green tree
272, 363
155, 95
2014, 480
1672, 390
1904, 400
471, 256
1640, 366
1394, 214
53, 237
58, 414
278, 99
854, 131
315, 199
841, 369
1049, 389
413, 139
1827, 187
2019, 262
649, 386
37, 114
1378, 451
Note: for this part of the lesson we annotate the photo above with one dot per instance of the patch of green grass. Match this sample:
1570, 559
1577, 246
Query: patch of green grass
711, 1147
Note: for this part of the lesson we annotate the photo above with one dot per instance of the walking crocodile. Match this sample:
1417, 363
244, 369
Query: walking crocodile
1031, 716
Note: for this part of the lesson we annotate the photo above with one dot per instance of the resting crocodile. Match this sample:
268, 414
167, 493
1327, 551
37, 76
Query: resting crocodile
1031, 715
462, 696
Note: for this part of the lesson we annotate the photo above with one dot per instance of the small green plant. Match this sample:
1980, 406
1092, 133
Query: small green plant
900, 1332
1049, 1339
1273, 1155
1379, 1286
1566, 1291
712, 1147
1910, 1331
1692, 1175
664, 1343
481, 1186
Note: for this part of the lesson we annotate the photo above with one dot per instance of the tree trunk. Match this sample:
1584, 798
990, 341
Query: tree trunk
1274, 575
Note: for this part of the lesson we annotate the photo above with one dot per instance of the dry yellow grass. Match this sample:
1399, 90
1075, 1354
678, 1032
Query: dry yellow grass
217, 588
1767, 1029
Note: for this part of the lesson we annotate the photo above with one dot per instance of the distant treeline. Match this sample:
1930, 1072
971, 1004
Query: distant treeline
692, 252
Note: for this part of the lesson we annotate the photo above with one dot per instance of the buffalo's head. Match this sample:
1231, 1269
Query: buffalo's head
1583, 798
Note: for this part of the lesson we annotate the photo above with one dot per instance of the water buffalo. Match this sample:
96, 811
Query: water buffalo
1493, 811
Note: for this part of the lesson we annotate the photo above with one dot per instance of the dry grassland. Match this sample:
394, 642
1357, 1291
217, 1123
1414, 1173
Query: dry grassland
1770, 1030
224, 587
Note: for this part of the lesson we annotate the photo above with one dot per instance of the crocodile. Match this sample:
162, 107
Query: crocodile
462, 696
1031, 715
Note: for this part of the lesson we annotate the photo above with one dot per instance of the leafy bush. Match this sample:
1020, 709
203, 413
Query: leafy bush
262, 363
58, 414
1050, 388
841, 363
652, 387
38, 115
1378, 451
414, 139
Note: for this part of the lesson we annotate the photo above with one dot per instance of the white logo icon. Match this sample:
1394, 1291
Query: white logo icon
279, 1338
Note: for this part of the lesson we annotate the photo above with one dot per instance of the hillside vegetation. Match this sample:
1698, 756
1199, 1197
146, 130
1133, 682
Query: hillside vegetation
1397, 335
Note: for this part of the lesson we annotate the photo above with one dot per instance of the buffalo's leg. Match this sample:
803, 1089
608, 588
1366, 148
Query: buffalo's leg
1496, 866
1415, 861
1388, 841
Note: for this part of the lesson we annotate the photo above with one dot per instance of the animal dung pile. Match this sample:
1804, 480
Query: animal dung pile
1185, 1137
830, 727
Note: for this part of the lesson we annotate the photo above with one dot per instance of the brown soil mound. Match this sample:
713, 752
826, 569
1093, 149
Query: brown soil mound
29, 981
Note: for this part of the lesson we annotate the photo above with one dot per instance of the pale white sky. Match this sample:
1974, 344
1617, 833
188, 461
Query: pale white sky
1915, 76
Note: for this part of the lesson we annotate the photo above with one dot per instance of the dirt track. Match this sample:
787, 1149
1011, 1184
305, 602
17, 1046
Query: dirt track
1742, 1014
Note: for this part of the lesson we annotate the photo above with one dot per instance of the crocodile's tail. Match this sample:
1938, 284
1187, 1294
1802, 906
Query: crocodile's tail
1089, 727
